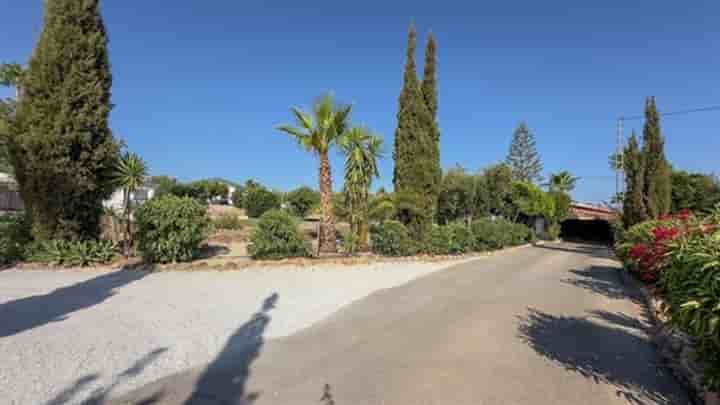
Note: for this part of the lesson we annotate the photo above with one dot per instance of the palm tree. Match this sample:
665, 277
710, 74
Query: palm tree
130, 174
318, 132
563, 182
362, 149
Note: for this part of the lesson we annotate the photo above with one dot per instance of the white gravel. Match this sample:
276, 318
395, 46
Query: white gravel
66, 336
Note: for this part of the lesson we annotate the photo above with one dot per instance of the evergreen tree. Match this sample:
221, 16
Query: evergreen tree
62, 149
523, 158
430, 95
634, 210
658, 182
415, 166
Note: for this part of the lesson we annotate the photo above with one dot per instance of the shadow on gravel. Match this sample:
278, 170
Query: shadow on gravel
99, 395
224, 380
604, 354
27, 313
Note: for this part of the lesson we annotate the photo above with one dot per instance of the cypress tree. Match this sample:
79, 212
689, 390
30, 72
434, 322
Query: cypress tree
634, 210
63, 151
415, 170
430, 95
657, 187
523, 157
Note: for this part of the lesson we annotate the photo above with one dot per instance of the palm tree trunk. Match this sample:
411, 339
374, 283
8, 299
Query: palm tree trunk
128, 231
327, 226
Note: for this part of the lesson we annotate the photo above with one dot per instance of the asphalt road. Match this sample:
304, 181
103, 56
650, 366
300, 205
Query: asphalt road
542, 325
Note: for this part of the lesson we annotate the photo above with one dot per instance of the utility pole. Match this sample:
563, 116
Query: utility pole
620, 163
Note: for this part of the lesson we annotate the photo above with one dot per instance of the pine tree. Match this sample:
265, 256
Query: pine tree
657, 187
415, 166
634, 210
523, 158
63, 151
430, 95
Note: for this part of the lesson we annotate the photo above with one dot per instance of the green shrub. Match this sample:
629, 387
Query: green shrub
259, 200
439, 241
461, 238
73, 253
302, 201
553, 231
276, 237
639, 233
227, 221
350, 243
499, 233
171, 229
690, 282
14, 238
391, 238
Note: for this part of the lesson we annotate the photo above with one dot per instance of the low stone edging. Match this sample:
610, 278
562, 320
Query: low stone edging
676, 348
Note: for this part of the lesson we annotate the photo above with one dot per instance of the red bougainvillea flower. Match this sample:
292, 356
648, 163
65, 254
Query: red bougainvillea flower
662, 234
638, 251
684, 214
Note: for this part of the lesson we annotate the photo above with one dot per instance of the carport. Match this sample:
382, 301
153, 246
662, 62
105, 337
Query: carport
588, 223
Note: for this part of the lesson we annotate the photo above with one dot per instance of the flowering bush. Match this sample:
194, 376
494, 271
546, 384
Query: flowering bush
680, 254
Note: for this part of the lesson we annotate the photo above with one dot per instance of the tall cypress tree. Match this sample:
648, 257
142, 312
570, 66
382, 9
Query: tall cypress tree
63, 150
415, 168
634, 210
430, 95
523, 157
657, 187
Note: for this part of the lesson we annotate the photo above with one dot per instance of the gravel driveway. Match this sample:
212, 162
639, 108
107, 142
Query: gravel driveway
66, 336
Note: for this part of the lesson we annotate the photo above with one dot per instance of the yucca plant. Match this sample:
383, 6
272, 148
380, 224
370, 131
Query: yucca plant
130, 174
317, 132
362, 150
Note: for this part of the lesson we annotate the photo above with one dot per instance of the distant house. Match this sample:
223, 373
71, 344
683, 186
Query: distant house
117, 199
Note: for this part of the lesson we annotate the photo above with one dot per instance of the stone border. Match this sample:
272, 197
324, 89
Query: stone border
676, 348
242, 263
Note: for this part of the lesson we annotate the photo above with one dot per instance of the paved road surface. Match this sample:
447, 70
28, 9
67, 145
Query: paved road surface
544, 325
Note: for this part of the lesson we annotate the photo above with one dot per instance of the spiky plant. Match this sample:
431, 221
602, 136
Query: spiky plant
129, 175
362, 150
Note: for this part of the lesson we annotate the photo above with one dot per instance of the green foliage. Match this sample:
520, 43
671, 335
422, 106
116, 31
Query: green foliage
457, 200
634, 209
697, 192
451, 239
523, 157
72, 253
259, 200
382, 207
530, 201
638, 233
302, 201
392, 238
492, 234
429, 90
494, 192
553, 231
362, 150
171, 229
14, 238
62, 149
416, 173
657, 183
227, 221
318, 133
562, 182
277, 237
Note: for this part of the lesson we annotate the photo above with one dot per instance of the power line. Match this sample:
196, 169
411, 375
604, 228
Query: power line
680, 112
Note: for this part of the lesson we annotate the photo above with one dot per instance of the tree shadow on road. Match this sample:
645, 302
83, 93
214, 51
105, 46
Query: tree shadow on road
602, 280
31, 312
603, 353
585, 248
99, 395
224, 380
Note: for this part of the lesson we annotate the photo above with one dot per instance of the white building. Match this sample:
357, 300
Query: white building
117, 200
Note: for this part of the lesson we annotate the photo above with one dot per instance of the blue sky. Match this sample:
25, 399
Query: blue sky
199, 86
